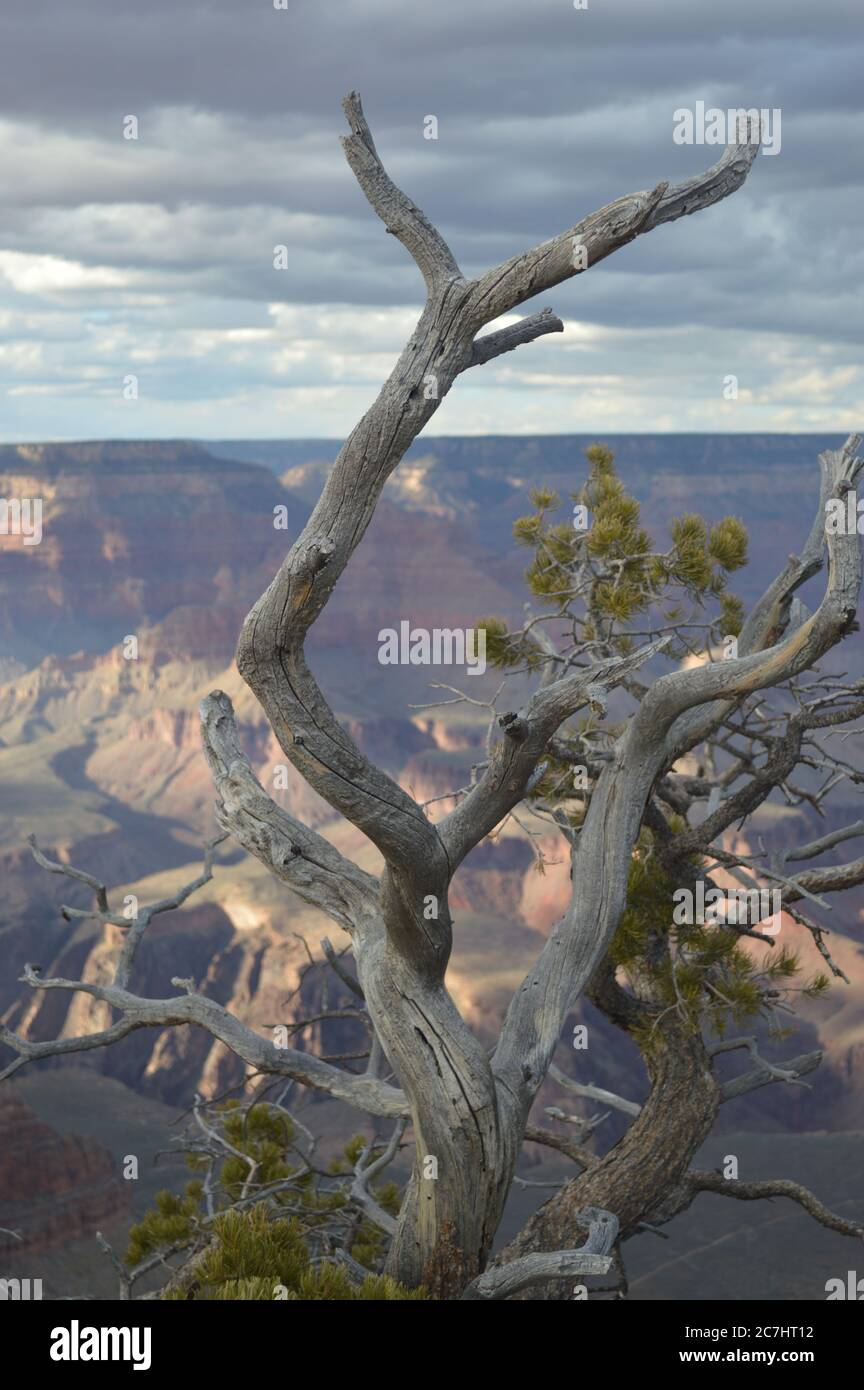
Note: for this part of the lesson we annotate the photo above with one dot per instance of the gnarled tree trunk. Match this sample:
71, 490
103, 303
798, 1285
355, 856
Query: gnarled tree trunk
643, 1176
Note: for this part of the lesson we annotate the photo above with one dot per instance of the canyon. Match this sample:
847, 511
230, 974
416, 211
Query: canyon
100, 756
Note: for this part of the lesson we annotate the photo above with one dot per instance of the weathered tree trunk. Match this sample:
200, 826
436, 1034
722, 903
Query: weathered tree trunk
465, 1148
641, 1177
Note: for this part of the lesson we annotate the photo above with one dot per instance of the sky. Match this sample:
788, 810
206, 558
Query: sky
147, 264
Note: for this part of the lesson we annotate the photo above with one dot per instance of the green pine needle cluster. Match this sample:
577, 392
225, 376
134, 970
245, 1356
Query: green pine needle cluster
706, 975
629, 575
170, 1224
254, 1256
265, 1134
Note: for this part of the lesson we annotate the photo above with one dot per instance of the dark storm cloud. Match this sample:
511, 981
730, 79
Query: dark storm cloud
79, 61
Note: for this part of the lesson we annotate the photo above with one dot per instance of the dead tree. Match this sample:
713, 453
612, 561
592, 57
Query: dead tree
468, 1110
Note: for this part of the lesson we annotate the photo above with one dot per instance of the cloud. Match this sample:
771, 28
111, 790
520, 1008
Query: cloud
49, 275
158, 253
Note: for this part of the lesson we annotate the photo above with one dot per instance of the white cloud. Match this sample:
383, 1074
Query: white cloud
48, 275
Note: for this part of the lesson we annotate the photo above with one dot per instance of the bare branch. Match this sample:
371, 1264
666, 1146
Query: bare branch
365, 1171
363, 1092
818, 933
139, 924
765, 1072
312, 867
514, 335
774, 1187
774, 613
602, 232
833, 879
826, 842
402, 218
134, 925
69, 872
502, 1281
576, 1088
515, 757
579, 1154
344, 975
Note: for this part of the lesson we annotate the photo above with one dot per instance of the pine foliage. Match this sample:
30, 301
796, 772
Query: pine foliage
259, 1251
